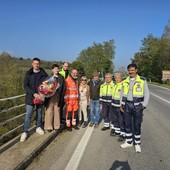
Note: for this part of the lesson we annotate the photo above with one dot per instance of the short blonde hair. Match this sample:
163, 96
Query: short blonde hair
118, 74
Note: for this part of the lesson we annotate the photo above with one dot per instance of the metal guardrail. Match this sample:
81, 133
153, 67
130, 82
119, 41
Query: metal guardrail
12, 108
11, 119
11, 98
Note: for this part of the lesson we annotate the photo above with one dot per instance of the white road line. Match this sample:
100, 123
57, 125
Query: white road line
77, 155
161, 87
160, 98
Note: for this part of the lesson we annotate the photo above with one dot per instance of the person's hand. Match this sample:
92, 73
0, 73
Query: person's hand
121, 109
101, 106
143, 107
88, 106
36, 96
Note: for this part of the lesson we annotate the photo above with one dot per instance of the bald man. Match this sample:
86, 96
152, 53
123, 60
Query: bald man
71, 100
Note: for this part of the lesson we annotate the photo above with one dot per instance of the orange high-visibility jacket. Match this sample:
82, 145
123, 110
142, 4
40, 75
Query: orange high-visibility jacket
71, 90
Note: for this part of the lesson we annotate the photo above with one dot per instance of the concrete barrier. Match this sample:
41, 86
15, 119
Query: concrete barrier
19, 155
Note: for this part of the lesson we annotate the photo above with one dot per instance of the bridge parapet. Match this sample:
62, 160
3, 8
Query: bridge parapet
12, 114
14, 154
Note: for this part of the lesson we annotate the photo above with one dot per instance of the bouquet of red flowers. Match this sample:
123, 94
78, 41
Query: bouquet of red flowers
46, 89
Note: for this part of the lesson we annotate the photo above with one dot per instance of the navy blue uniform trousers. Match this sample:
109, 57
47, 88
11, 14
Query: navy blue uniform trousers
133, 119
106, 111
118, 121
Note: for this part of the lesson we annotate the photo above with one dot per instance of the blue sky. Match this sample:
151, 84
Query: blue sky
59, 30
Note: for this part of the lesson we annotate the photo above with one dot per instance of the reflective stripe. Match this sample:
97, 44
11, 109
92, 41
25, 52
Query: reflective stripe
136, 104
137, 136
122, 133
128, 134
74, 122
116, 105
137, 141
112, 126
106, 124
71, 96
71, 88
117, 129
105, 100
129, 140
123, 103
68, 123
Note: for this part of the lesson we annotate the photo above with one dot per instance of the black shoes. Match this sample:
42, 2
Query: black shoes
121, 138
76, 127
84, 124
69, 129
80, 123
113, 133
62, 122
105, 128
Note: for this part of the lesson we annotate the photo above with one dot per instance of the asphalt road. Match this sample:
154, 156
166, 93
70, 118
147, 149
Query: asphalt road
92, 149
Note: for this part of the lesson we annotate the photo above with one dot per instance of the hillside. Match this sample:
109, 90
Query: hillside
12, 71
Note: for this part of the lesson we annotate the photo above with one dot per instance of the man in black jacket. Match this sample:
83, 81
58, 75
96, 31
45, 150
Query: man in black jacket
32, 80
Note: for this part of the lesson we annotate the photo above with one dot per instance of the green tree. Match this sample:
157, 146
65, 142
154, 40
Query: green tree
98, 57
154, 56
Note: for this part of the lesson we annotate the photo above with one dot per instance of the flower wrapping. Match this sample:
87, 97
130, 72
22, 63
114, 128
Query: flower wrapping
46, 89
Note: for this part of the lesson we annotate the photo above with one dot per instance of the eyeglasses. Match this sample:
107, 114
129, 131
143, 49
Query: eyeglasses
83, 80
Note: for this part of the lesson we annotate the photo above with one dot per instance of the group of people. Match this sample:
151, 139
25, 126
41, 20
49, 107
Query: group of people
120, 102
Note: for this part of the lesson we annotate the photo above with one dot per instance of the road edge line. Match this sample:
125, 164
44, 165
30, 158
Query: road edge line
160, 98
78, 153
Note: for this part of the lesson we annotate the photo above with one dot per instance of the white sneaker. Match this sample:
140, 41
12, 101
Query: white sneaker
137, 148
23, 137
40, 131
126, 145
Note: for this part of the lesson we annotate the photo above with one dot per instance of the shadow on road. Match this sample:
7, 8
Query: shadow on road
120, 165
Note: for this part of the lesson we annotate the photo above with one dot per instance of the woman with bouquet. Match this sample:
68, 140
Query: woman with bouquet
52, 104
